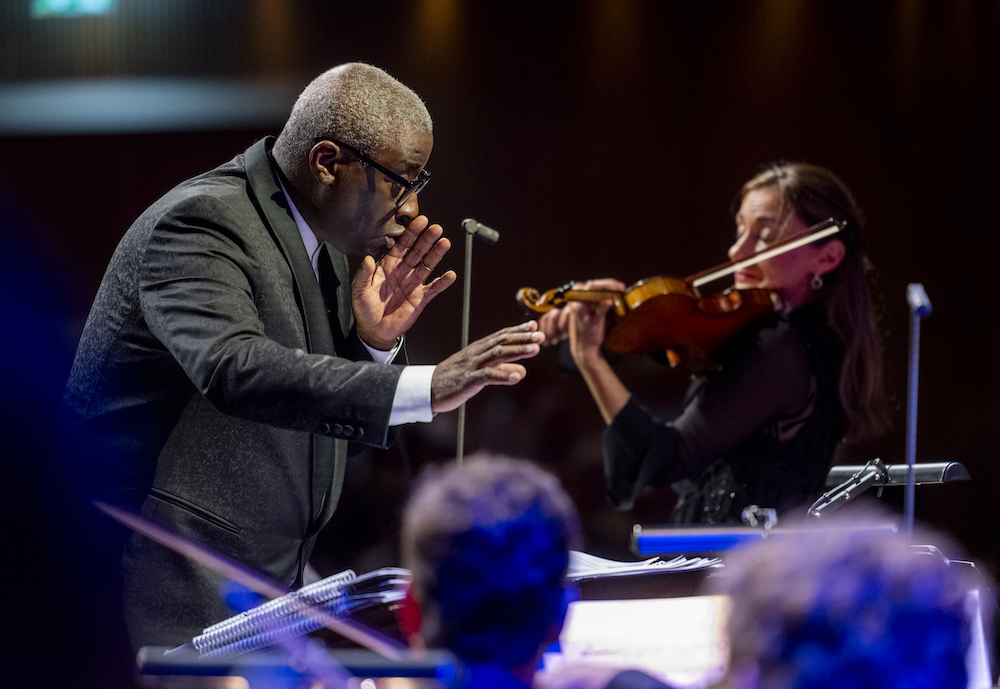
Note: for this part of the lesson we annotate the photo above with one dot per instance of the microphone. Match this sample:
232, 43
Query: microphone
477, 228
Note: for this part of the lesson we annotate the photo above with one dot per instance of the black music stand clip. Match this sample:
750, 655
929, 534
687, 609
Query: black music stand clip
850, 481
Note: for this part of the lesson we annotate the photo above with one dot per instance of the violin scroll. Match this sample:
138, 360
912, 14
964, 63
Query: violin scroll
560, 296
540, 303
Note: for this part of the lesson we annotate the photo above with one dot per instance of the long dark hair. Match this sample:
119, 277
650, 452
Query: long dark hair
815, 194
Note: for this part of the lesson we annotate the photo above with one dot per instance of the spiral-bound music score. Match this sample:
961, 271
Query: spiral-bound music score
288, 616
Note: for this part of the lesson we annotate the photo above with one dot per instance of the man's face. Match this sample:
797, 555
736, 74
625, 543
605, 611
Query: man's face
363, 218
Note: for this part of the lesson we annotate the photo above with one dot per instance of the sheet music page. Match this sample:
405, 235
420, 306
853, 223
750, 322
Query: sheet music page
681, 641
586, 566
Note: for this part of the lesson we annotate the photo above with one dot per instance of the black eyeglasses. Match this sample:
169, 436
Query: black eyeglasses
409, 188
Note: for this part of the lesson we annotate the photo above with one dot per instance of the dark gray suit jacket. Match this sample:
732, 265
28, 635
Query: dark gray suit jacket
212, 389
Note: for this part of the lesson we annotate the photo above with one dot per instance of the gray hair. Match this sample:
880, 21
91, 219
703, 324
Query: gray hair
357, 104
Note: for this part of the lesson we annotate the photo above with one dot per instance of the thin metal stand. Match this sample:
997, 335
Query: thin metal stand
920, 307
472, 229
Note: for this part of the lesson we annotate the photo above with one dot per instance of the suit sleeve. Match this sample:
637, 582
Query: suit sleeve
202, 285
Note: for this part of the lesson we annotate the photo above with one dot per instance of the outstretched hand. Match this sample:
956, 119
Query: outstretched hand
389, 295
484, 362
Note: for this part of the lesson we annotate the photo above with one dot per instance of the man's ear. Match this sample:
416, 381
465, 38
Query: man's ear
324, 158
830, 256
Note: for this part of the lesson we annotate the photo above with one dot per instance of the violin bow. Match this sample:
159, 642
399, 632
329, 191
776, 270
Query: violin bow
808, 236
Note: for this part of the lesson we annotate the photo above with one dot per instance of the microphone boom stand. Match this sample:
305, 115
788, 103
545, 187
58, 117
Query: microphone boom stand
920, 306
472, 229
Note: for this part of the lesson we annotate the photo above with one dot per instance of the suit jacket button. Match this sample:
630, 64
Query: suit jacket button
338, 429
348, 431
359, 433
324, 428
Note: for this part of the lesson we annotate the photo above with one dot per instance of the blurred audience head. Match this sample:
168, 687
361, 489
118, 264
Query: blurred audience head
488, 543
846, 608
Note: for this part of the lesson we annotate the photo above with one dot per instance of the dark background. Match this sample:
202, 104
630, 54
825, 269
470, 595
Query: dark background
603, 138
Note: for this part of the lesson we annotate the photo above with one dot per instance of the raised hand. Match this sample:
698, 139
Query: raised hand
484, 362
389, 295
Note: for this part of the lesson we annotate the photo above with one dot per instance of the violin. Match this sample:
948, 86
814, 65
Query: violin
666, 314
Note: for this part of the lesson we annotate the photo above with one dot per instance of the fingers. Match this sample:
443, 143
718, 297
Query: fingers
555, 324
439, 285
548, 323
590, 315
505, 353
428, 250
522, 332
451, 387
406, 240
604, 283
421, 294
365, 272
596, 312
487, 361
586, 332
515, 342
503, 374
420, 247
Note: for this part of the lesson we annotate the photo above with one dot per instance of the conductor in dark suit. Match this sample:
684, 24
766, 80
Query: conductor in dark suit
230, 360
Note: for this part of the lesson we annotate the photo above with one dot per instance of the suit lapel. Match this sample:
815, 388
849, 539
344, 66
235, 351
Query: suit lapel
279, 218
328, 455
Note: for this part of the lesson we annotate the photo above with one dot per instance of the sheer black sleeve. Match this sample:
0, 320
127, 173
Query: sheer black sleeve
765, 379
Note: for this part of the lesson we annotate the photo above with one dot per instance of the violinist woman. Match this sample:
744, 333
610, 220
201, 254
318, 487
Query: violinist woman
761, 426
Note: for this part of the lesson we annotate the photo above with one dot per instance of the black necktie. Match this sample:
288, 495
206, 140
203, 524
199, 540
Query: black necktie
329, 283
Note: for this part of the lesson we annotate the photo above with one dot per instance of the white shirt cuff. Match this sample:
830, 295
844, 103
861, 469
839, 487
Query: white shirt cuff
412, 401
381, 356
